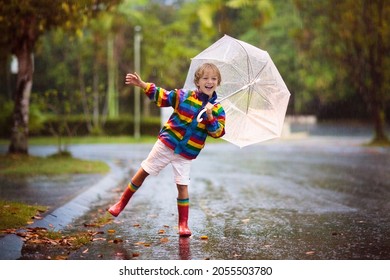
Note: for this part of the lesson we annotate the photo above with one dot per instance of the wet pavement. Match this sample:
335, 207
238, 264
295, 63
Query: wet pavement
316, 197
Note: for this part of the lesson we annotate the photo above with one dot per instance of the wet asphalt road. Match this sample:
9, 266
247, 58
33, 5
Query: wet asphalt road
306, 198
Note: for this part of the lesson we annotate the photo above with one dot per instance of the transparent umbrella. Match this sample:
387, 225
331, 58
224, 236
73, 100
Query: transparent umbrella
252, 93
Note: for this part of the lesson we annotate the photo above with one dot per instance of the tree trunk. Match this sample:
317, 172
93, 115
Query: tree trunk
379, 123
376, 58
19, 132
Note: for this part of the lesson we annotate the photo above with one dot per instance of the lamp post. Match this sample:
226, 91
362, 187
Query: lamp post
137, 90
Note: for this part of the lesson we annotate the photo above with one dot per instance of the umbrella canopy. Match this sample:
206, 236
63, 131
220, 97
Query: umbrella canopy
252, 93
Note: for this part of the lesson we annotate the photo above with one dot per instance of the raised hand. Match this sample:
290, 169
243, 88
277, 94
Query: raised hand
135, 80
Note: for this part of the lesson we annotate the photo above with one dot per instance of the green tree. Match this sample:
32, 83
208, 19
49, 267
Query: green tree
353, 36
276, 36
73, 66
224, 14
60, 107
22, 22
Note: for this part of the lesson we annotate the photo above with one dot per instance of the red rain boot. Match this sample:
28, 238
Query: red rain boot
183, 210
118, 207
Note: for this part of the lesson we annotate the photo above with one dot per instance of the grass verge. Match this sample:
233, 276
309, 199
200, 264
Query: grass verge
86, 140
16, 215
23, 165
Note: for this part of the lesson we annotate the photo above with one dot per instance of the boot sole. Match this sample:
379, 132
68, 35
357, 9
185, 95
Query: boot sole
114, 214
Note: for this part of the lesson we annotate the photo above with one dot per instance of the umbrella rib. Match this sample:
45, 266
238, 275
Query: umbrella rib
240, 89
250, 83
258, 73
249, 65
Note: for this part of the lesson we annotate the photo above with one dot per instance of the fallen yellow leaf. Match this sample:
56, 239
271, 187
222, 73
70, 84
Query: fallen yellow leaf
164, 240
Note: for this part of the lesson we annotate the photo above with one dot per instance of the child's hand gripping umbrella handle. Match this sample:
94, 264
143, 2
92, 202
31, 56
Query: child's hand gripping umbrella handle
208, 107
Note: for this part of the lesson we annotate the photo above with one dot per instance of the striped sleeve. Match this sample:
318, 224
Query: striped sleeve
162, 97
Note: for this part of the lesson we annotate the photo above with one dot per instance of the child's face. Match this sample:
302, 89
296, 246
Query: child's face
208, 82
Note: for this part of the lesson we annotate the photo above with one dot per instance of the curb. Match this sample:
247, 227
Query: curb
11, 244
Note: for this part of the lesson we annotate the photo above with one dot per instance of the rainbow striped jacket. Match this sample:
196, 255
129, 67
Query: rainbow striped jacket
182, 132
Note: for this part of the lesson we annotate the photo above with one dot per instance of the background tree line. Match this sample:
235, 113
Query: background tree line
333, 55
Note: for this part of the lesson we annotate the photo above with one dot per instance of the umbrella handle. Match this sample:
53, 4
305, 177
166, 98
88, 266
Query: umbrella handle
199, 117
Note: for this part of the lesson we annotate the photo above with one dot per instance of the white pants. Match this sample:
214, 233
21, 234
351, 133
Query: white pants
160, 156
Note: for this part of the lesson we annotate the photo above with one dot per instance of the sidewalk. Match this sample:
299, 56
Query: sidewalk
61, 217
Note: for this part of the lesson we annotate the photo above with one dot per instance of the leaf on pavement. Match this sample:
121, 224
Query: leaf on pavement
164, 240
115, 240
98, 239
91, 225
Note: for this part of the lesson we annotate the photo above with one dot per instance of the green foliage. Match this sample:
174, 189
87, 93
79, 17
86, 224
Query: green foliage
277, 37
76, 124
36, 118
40, 16
349, 42
22, 23
62, 105
321, 48
5, 117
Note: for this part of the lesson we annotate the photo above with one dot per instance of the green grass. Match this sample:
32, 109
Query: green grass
22, 165
16, 215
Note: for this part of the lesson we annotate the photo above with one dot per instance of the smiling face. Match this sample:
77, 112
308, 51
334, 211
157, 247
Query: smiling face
207, 78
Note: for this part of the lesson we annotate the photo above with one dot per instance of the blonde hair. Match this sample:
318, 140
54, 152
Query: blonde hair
200, 71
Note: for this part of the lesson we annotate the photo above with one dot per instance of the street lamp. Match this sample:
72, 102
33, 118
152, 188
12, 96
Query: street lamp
137, 90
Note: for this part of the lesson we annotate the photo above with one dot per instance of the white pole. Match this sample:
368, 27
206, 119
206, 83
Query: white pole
137, 90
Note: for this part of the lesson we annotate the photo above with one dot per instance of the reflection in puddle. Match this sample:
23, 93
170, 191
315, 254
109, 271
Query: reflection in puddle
184, 248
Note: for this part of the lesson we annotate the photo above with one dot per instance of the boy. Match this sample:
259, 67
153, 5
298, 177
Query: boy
182, 137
